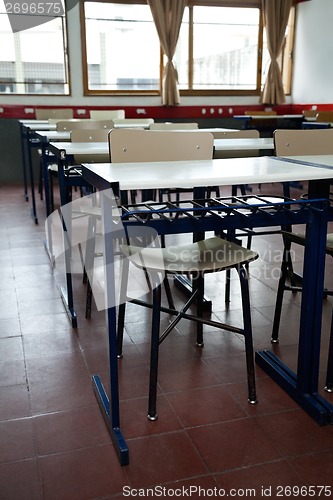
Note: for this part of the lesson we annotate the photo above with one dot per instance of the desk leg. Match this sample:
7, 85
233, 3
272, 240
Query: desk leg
109, 404
303, 385
66, 294
23, 134
32, 181
48, 243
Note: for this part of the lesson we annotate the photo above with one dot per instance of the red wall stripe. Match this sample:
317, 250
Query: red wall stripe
164, 113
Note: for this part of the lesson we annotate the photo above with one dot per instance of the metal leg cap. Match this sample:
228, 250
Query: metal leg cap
274, 341
328, 388
199, 345
152, 418
253, 401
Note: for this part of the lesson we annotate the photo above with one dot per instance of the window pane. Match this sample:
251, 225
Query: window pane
34, 61
225, 48
123, 51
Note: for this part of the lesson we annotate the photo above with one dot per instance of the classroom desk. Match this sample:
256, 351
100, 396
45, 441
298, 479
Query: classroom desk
302, 386
41, 137
270, 122
314, 124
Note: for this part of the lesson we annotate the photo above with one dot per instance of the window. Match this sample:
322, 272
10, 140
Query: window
219, 50
33, 59
122, 48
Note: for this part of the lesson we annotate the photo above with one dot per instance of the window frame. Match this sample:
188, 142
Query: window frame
66, 61
190, 91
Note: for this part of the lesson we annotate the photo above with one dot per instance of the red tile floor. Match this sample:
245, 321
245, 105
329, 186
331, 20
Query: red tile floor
53, 440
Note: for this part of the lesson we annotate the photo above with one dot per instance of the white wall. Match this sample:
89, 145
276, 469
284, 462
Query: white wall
313, 53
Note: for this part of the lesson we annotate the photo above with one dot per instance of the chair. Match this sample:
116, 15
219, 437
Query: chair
56, 113
303, 142
324, 116
90, 135
309, 113
295, 143
138, 145
106, 114
193, 260
131, 145
173, 126
84, 124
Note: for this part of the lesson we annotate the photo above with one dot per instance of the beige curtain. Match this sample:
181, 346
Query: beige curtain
168, 15
276, 14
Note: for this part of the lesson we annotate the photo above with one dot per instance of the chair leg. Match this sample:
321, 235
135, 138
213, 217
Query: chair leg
41, 180
280, 292
89, 263
227, 286
199, 284
329, 372
155, 341
89, 296
252, 396
122, 306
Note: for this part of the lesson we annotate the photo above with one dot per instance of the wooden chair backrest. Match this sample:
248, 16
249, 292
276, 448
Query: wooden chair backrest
129, 145
303, 142
106, 114
173, 126
324, 116
84, 124
90, 135
46, 114
260, 113
309, 113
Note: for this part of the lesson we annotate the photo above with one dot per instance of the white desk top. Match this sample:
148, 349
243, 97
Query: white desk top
84, 148
41, 125
32, 120
54, 135
243, 144
156, 175
314, 124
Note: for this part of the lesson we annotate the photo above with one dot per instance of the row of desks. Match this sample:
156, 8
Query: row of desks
42, 135
318, 171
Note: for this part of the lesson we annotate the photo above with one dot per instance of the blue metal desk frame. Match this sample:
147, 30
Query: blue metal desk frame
301, 386
66, 182
27, 142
